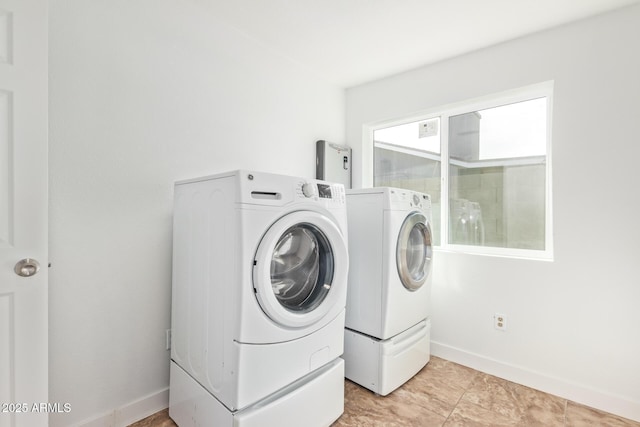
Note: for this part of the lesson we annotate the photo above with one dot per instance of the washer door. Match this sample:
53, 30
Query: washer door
414, 251
300, 261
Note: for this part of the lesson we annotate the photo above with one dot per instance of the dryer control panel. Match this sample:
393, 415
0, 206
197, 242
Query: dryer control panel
405, 199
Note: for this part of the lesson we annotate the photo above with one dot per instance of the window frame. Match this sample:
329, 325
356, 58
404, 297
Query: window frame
540, 90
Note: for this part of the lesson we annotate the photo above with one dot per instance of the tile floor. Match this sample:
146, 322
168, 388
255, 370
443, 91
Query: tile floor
445, 394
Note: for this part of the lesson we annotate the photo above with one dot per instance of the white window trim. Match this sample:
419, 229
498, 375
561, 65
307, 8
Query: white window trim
539, 90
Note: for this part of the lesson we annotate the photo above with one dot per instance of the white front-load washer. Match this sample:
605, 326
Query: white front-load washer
260, 266
387, 318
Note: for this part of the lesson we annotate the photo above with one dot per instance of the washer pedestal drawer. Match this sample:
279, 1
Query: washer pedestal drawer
384, 365
315, 400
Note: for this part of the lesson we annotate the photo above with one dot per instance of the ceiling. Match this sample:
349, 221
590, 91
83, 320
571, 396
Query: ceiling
350, 42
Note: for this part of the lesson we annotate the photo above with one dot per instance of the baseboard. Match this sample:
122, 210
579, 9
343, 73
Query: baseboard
131, 412
579, 393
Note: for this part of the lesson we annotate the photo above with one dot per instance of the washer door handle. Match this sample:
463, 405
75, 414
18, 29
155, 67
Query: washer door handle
27, 267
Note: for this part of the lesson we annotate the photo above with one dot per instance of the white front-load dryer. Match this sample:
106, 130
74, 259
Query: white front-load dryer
260, 268
387, 318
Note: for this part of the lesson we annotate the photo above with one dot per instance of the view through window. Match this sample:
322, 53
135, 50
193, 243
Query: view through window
408, 156
494, 174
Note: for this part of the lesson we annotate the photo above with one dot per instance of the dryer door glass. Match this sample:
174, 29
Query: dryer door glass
414, 251
301, 268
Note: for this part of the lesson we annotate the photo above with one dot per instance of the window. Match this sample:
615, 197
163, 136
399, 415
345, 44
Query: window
489, 159
408, 156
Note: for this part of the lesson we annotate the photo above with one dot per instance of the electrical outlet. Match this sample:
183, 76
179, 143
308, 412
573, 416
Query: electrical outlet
500, 321
168, 339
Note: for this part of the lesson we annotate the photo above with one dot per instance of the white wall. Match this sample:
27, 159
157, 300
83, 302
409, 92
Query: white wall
574, 323
143, 93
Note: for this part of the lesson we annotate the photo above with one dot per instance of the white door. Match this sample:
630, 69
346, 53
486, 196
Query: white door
23, 213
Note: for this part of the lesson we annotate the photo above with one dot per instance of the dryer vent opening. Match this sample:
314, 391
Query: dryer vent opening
265, 195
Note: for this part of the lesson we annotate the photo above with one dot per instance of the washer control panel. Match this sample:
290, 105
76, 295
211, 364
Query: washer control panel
320, 190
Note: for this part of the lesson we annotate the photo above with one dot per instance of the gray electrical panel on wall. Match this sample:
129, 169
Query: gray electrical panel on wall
333, 163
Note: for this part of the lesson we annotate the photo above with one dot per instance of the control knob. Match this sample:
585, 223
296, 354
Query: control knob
307, 189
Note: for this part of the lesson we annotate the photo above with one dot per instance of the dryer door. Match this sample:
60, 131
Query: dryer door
414, 251
299, 266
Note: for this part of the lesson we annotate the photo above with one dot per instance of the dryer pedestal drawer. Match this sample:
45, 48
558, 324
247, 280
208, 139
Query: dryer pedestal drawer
310, 401
384, 365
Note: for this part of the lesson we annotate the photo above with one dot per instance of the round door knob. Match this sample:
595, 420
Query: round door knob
27, 267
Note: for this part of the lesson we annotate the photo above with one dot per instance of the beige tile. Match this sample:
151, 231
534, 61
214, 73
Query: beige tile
516, 402
437, 387
468, 414
159, 419
364, 408
452, 372
578, 416
542, 409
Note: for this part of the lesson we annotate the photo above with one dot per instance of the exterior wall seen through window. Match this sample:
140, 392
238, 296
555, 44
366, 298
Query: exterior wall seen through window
490, 163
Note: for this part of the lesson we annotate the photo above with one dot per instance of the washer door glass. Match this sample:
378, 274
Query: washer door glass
301, 268
414, 251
